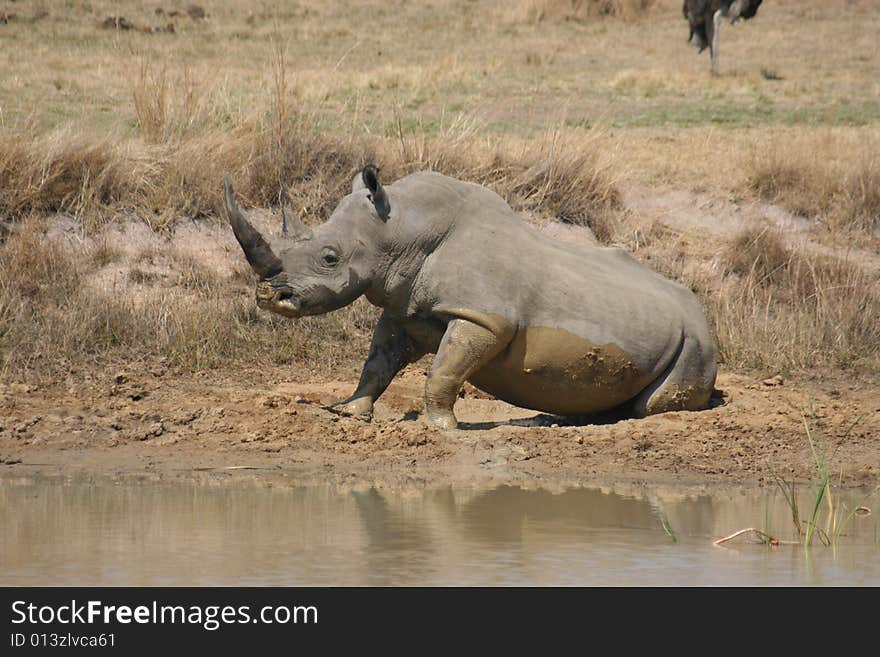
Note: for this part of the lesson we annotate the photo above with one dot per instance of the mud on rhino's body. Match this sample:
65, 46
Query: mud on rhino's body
556, 327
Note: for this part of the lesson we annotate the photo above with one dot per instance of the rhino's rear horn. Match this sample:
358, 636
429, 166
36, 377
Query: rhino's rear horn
370, 175
291, 225
257, 251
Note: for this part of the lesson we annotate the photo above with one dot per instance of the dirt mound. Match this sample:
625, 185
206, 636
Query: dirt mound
153, 420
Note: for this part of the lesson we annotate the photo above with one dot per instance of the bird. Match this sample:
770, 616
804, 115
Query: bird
704, 18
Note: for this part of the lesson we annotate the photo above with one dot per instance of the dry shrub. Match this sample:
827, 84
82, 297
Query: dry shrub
559, 176
190, 274
800, 183
860, 196
536, 11
563, 177
570, 184
94, 179
317, 170
785, 308
51, 320
168, 108
35, 273
102, 253
837, 183
760, 252
80, 174
187, 179
37, 268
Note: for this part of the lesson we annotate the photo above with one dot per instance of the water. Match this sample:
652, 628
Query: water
83, 532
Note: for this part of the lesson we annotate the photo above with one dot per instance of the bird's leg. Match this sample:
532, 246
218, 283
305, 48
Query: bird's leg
735, 11
716, 25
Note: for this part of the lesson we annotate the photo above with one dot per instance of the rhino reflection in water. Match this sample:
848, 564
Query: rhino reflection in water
546, 325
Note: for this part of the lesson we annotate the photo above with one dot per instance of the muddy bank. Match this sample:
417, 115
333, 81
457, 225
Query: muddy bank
151, 420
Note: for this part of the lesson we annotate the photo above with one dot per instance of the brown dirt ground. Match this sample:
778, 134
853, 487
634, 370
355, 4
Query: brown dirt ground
153, 420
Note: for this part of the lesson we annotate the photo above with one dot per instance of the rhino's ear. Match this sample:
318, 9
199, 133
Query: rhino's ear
370, 176
291, 225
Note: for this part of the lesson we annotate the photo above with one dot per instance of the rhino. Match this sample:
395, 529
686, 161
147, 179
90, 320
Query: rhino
566, 329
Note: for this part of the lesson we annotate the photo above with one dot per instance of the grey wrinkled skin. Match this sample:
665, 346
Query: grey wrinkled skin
556, 327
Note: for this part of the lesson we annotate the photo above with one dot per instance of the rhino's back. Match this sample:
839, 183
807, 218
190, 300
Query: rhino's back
591, 327
495, 263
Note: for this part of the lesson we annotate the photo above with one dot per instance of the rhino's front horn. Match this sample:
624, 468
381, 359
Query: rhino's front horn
257, 251
291, 225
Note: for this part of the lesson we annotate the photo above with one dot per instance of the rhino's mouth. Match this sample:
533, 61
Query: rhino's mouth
278, 300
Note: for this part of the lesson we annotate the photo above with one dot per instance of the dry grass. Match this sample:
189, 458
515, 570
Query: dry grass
782, 308
108, 125
833, 181
758, 252
774, 305
170, 304
37, 269
167, 110
52, 321
538, 11
560, 175
177, 167
436, 58
81, 174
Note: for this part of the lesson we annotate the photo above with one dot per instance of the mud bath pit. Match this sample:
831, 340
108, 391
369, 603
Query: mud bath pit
238, 531
154, 420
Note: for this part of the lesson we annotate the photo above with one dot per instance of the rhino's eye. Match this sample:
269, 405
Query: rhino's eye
330, 259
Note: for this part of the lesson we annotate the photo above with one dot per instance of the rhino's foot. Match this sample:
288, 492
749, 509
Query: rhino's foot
685, 385
441, 420
360, 408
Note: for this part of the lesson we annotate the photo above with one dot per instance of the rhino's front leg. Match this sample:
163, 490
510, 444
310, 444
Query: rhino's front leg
391, 349
465, 348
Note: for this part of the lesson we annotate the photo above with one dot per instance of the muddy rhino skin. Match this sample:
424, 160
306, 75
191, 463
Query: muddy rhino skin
551, 326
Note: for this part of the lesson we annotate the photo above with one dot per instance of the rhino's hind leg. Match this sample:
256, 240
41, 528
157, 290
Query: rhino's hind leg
465, 348
391, 349
685, 385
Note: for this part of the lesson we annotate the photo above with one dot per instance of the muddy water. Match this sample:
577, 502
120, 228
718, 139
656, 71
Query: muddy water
85, 532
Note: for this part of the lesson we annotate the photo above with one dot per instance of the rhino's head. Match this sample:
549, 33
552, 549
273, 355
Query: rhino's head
309, 272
